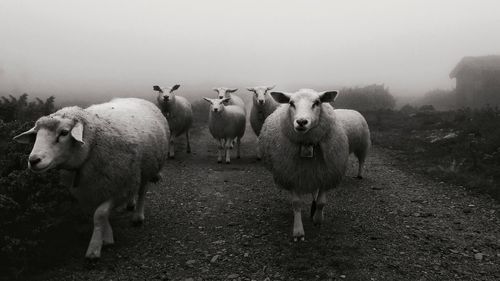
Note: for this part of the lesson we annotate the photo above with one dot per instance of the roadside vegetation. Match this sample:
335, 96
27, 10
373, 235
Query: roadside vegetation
461, 146
32, 206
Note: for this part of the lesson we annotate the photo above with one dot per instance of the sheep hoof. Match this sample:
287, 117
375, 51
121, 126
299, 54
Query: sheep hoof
317, 221
171, 156
188, 151
258, 158
228, 162
219, 161
130, 207
93, 255
137, 220
238, 157
359, 177
297, 239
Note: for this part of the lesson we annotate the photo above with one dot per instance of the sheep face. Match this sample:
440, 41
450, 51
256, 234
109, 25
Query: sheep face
166, 94
55, 140
223, 92
260, 94
217, 105
304, 107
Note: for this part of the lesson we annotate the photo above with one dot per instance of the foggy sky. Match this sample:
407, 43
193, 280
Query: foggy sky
122, 48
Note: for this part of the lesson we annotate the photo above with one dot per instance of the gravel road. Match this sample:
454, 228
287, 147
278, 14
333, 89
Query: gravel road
209, 221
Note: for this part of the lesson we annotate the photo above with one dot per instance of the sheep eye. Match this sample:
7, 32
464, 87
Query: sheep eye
316, 103
64, 133
292, 104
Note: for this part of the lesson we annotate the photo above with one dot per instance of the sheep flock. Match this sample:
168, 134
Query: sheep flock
108, 154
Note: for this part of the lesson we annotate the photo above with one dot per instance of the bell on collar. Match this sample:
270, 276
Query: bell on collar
307, 151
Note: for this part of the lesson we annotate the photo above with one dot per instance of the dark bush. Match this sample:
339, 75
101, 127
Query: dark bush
31, 205
373, 97
440, 99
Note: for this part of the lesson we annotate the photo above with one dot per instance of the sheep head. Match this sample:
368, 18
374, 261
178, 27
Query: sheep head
55, 139
223, 92
217, 105
260, 93
166, 94
304, 107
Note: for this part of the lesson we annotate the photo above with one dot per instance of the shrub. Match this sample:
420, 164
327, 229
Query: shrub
373, 97
31, 204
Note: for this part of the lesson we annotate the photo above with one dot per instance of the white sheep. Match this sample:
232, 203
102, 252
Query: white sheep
223, 92
226, 123
107, 154
306, 144
178, 112
263, 106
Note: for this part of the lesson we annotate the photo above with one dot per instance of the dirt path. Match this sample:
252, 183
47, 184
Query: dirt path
209, 221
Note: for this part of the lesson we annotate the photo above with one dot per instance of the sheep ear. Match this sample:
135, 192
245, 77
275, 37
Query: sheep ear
232, 90
157, 88
215, 89
175, 87
208, 100
77, 132
281, 97
224, 100
251, 89
26, 137
271, 87
328, 96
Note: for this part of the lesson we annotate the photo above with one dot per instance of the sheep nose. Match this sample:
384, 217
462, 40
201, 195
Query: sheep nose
34, 160
302, 122
165, 98
216, 109
261, 102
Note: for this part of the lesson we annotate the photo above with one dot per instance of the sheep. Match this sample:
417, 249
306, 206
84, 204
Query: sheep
263, 106
107, 154
178, 112
305, 144
223, 92
226, 123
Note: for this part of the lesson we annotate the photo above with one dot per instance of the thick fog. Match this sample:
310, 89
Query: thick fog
80, 49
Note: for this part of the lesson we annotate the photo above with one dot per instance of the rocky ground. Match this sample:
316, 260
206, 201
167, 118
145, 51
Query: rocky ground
209, 221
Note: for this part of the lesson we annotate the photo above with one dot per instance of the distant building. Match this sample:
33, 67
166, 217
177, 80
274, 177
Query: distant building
478, 81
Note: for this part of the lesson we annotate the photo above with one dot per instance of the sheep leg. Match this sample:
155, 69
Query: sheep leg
188, 145
219, 150
108, 239
138, 216
102, 230
238, 143
171, 153
259, 153
298, 228
320, 204
227, 149
361, 163
131, 204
